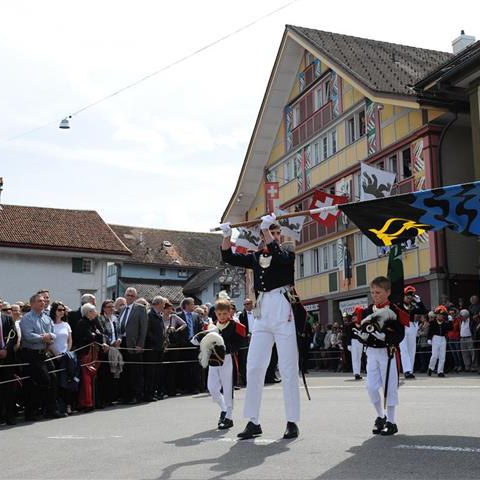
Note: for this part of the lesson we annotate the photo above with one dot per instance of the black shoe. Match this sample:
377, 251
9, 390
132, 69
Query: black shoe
389, 429
222, 417
56, 415
409, 375
358, 377
149, 399
430, 371
251, 431
441, 375
291, 431
379, 425
11, 421
225, 424
134, 401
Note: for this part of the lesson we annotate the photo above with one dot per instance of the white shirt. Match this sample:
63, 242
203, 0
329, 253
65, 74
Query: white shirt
62, 331
124, 318
465, 328
251, 319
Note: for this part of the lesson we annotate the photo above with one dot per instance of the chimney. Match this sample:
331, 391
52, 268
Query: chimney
462, 42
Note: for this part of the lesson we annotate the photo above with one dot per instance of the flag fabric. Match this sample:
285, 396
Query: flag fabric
376, 183
291, 227
272, 193
395, 274
248, 238
322, 199
394, 220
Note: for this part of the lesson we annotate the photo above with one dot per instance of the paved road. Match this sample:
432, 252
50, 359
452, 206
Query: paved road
439, 437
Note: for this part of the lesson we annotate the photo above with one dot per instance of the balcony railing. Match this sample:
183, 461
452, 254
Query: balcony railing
312, 125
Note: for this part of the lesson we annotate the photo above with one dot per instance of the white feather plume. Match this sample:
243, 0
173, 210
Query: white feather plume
206, 346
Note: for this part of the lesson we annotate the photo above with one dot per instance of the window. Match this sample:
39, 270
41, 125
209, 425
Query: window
406, 163
365, 249
333, 141
361, 275
309, 58
325, 259
162, 272
182, 273
334, 255
392, 164
316, 153
82, 265
289, 170
333, 282
325, 148
326, 91
296, 116
361, 123
318, 98
301, 266
111, 270
351, 130
315, 261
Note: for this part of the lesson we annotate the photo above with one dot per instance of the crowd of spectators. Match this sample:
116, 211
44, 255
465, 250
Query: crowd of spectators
56, 361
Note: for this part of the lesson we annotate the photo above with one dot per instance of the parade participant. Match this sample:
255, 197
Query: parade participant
382, 329
273, 270
354, 346
437, 333
220, 378
414, 306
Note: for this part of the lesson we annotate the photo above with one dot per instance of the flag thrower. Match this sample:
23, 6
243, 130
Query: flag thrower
332, 209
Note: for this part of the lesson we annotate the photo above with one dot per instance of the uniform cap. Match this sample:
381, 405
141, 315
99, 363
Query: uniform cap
409, 289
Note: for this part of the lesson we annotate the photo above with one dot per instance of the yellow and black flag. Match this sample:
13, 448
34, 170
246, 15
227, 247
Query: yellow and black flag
393, 220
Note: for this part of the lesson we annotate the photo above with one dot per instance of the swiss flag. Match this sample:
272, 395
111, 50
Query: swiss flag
322, 199
271, 189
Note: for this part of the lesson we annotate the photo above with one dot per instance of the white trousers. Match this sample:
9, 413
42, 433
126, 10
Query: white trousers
222, 378
377, 361
356, 351
439, 349
275, 325
408, 348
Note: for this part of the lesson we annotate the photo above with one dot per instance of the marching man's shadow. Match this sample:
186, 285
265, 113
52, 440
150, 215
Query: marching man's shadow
243, 454
411, 457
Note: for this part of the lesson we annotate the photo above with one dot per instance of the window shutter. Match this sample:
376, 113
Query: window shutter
77, 265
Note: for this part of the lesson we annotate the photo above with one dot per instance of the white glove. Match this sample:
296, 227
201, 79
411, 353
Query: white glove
364, 336
349, 348
379, 336
429, 342
267, 220
226, 229
416, 298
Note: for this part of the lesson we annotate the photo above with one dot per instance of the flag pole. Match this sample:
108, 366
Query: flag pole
251, 223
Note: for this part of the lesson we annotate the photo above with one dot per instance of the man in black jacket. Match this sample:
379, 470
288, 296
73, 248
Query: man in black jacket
154, 342
8, 339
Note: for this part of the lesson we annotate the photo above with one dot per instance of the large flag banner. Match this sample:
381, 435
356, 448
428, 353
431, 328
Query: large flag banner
394, 220
375, 183
321, 200
292, 226
248, 239
395, 274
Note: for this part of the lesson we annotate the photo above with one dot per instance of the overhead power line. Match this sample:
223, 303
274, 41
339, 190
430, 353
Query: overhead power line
157, 72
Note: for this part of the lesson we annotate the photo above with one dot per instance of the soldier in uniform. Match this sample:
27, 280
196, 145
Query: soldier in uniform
273, 269
408, 347
381, 330
354, 346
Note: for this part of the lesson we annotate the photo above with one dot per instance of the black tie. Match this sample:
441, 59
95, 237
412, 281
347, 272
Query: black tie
122, 326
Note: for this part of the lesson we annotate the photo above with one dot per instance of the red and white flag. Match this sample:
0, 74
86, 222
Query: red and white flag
321, 200
272, 193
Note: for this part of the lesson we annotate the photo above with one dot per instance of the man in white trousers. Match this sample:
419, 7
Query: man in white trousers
408, 347
273, 269
354, 345
437, 338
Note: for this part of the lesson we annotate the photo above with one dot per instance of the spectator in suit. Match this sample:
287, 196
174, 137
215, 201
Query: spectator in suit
119, 305
133, 330
74, 316
154, 350
246, 318
192, 372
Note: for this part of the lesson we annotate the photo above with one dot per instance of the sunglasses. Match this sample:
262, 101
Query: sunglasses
60, 309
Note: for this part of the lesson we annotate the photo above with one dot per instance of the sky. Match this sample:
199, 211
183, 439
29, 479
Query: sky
166, 153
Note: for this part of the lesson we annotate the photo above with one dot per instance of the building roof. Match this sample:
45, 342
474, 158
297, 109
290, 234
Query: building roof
200, 280
148, 291
184, 249
380, 66
57, 229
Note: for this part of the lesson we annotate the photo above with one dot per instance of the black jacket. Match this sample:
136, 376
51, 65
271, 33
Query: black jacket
439, 329
233, 340
155, 331
88, 331
279, 272
393, 329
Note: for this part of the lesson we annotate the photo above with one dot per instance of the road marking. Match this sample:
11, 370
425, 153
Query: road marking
440, 448
82, 437
233, 440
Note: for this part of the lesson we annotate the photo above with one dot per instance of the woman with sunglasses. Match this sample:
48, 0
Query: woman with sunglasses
61, 344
